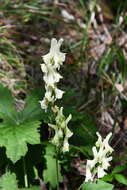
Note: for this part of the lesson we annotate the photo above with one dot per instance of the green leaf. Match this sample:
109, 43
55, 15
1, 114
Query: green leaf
108, 178
8, 182
85, 150
32, 110
19, 128
16, 137
122, 64
85, 133
100, 185
50, 173
105, 62
118, 169
121, 179
7, 110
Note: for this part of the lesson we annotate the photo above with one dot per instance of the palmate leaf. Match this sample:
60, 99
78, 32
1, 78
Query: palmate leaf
8, 182
19, 128
7, 109
32, 110
15, 138
50, 173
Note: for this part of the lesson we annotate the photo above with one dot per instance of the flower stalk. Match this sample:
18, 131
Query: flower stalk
50, 68
52, 62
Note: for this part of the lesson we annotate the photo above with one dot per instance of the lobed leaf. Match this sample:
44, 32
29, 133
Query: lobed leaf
16, 137
8, 182
7, 110
32, 110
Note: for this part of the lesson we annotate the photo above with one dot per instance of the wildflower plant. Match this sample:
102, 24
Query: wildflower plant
96, 168
52, 62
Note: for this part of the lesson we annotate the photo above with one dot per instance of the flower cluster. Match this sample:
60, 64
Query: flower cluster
62, 132
52, 62
100, 163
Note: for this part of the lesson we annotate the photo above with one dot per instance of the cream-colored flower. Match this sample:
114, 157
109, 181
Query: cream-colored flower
51, 76
58, 93
52, 62
100, 163
55, 56
100, 172
65, 147
62, 132
43, 104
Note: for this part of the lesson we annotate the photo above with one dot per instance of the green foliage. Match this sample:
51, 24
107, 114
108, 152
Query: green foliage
32, 110
18, 128
8, 182
15, 138
27, 9
85, 150
105, 62
85, 125
7, 110
100, 185
50, 173
122, 65
119, 169
107, 68
115, 174
32, 188
121, 178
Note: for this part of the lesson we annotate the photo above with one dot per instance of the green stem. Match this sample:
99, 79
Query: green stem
25, 173
80, 187
57, 168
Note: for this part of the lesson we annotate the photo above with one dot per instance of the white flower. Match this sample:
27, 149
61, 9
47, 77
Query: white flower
58, 93
51, 76
48, 96
52, 62
55, 56
100, 163
43, 104
62, 132
65, 145
100, 172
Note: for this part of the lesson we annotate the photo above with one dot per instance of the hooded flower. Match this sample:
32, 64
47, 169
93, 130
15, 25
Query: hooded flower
62, 132
55, 56
100, 163
52, 62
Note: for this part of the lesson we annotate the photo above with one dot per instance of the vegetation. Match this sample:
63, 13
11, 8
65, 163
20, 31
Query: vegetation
95, 94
